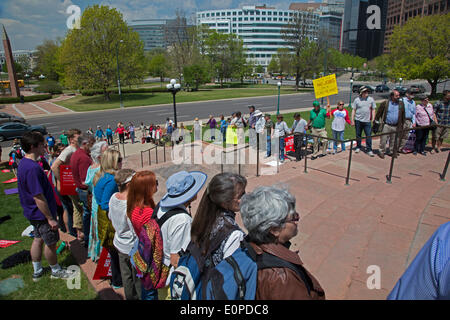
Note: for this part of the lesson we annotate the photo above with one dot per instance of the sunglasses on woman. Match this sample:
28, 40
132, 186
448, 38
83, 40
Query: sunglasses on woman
294, 218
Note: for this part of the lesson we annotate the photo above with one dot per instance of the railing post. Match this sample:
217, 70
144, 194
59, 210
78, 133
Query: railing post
394, 155
257, 154
149, 157
123, 147
164, 148
221, 162
445, 168
156, 151
142, 161
349, 164
306, 153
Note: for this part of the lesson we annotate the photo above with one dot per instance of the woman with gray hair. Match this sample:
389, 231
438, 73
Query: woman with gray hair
270, 217
94, 247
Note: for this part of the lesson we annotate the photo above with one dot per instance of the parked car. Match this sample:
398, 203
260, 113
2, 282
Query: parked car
357, 87
417, 88
382, 88
401, 90
6, 117
11, 130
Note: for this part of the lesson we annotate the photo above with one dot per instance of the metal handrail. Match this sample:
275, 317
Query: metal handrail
149, 155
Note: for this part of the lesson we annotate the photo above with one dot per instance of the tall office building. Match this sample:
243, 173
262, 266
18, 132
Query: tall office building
358, 38
331, 14
258, 26
399, 11
159, 33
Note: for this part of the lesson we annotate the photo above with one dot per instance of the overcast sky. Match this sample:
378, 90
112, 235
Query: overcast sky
29, 22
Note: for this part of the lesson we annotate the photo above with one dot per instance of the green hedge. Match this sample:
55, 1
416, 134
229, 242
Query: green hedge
93, 92
36, 97
52, 87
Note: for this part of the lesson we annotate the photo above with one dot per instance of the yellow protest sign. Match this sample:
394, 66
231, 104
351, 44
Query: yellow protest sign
325, 86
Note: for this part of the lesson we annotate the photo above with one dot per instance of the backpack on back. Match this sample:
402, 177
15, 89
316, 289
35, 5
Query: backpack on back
148, 254
188, 280
235, 278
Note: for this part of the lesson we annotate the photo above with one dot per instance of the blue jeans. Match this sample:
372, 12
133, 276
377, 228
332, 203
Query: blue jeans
83, 195
132, 136
281, 148
110, 139
149, 294
339, 135
269, 146
67, 206
367, 127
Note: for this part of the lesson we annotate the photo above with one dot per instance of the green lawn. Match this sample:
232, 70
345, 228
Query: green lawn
85, 103
349, 132
45, 288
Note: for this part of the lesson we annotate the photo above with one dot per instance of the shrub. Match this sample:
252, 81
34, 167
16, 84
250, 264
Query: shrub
93, 92
51, 87
36, 97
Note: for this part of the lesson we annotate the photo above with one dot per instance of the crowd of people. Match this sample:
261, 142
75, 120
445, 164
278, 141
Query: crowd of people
114, 208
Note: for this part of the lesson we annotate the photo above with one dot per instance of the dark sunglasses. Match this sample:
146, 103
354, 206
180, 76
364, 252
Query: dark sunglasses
295, 217
340, 104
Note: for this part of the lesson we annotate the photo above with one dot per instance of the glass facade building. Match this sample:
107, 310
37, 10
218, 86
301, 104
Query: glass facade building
357, 38
258, 26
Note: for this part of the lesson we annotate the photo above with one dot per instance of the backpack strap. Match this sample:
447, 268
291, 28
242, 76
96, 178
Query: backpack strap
169, 214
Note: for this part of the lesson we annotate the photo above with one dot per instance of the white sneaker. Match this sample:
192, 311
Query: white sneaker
370, 153
357, 150
334, 152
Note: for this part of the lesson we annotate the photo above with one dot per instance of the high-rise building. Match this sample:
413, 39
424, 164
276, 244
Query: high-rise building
159, 33
258, 26
399, 11
359, 36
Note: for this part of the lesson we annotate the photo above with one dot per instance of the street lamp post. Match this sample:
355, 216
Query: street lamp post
401, 80
27, 77
174, 87
351, 91
118, 73
42, 77
278, 105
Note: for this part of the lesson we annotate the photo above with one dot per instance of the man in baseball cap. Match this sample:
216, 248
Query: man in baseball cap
317, 120
363, 113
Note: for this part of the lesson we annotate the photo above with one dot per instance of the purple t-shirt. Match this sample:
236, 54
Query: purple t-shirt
32, 181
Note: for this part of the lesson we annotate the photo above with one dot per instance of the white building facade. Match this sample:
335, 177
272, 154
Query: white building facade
258, 26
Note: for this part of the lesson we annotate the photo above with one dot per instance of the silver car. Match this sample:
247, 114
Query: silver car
6, 117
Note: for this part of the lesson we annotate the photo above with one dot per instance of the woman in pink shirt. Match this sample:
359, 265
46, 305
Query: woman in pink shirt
424, 112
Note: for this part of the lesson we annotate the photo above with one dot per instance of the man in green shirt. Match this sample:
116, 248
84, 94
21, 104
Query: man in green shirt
64, 139
316, 122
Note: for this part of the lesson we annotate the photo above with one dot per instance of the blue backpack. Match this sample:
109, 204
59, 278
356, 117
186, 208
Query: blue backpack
188, 280
235, 278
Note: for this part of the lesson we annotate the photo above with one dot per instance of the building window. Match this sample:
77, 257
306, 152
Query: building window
234, 19
257, 19
263, 19
228, 13
240, 19
263, 13
252, 19
234, 13
274, 13
240, 13
223, 14
269, 19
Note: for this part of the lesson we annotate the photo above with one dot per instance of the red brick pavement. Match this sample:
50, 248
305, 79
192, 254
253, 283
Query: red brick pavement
344, 229
37, 108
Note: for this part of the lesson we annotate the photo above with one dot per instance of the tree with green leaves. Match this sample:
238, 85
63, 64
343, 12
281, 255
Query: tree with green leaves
420, 49
195, 75
90, 55
225, 53
159, 66
47, 62
306, 53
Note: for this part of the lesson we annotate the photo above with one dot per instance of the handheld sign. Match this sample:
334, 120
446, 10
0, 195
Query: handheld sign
68, 187
325, 86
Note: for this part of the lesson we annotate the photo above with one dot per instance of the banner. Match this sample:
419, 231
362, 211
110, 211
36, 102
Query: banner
103, 269
7, 243
325, 86
68, 187
289, 144
232, 137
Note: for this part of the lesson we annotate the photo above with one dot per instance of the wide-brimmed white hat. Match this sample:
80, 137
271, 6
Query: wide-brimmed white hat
182, 187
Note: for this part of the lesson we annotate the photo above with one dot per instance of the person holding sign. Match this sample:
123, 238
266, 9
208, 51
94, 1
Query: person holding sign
64, 159
39, 206
340, 116
363, 114
316, 123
